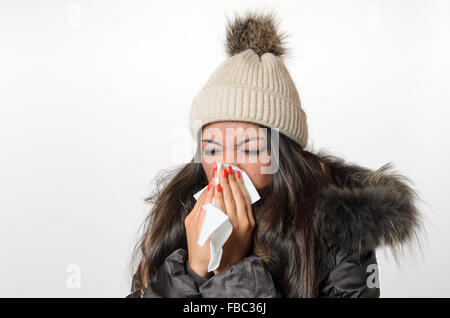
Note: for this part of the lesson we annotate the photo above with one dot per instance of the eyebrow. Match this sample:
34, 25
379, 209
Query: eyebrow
212, 141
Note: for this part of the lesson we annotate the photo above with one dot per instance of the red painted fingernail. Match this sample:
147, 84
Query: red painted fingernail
225, 172
214, 170
238, 174
209, 186
219, 189
230, 170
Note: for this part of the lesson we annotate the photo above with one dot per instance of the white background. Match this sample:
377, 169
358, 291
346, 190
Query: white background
95, 99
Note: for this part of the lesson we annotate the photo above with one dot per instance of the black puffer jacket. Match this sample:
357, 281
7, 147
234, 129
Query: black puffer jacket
363, 210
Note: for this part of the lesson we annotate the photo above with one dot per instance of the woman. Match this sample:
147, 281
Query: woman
315, 229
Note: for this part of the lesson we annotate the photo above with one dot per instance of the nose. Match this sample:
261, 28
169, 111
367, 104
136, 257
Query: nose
233, 162
230, 157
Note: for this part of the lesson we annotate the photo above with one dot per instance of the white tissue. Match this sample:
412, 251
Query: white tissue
216, 224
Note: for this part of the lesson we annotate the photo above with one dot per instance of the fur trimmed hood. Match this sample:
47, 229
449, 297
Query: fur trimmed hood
364, 209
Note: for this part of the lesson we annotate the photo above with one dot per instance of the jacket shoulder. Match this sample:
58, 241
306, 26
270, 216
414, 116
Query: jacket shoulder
134, 294
363, 209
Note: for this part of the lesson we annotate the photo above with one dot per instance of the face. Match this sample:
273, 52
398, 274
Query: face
241, 144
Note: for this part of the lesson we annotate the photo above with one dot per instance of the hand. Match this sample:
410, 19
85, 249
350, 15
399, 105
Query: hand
232, 197
198, 256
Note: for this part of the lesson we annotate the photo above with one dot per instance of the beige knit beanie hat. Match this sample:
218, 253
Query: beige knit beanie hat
253, 84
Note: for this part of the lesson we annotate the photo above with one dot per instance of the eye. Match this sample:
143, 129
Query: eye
211, 151
252, 152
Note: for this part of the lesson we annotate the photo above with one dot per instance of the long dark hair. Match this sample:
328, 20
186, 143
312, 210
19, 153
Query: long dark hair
285, 237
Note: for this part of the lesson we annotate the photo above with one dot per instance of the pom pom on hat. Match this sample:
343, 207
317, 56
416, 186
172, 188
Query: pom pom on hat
255, 31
